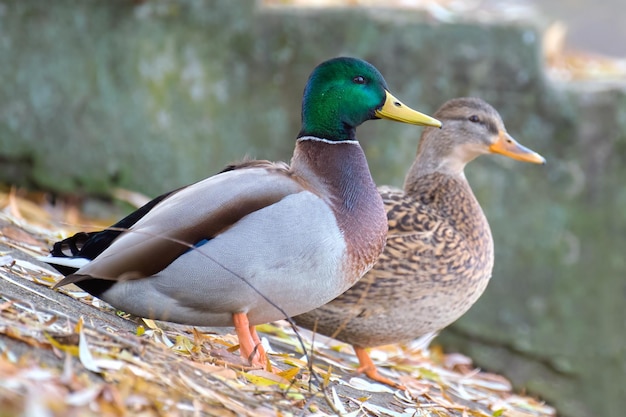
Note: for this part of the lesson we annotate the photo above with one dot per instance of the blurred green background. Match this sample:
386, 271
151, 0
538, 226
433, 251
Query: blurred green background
152, 95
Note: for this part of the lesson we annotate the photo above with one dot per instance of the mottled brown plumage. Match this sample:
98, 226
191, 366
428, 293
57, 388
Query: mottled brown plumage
439, 253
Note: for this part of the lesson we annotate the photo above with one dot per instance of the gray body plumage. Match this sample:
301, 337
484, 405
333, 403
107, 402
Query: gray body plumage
265, 239
206, 284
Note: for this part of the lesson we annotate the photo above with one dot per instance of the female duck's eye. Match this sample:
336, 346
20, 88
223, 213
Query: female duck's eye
474, 119
359, 79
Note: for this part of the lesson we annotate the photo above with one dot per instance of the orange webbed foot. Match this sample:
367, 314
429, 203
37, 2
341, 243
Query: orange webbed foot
366, 366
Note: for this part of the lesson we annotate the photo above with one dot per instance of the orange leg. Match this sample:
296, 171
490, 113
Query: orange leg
259, 346
367, 367
247, 343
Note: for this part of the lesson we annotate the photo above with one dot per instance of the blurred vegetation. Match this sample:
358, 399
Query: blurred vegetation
149, 96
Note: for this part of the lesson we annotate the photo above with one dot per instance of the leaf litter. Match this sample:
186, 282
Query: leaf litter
165, 369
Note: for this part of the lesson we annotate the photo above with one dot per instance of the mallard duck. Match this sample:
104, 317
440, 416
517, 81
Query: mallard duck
439, 253
259, 241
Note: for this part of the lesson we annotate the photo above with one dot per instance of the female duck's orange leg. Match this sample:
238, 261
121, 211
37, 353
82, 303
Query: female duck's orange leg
368, 368
249, 344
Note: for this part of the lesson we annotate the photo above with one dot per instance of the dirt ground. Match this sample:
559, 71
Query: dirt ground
64, 353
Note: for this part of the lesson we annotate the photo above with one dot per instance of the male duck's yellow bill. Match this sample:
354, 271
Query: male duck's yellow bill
507, 146
394, 109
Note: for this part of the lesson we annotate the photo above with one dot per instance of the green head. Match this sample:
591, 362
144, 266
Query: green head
342, 93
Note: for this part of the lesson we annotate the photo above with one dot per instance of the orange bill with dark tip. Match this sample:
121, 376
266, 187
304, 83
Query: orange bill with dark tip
507, 146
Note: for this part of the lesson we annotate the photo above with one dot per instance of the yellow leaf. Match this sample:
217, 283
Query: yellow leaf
428, 374
290, 373
327, 376
265, 379
151, 324
79, 325
293, 361
295, 395
266, 328
71, 349
281, 355
183, 345
46, 278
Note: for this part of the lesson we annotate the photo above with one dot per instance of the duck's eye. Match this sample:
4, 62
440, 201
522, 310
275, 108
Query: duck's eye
474, 119
359, 80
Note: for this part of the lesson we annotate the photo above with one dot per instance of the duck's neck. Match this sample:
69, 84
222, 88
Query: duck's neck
336, 129
444, 167
430, 160
338, 172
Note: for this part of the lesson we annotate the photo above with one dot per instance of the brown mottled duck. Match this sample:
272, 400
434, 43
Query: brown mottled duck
439, 253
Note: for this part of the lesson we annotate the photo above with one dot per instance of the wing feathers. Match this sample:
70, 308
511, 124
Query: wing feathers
200, 211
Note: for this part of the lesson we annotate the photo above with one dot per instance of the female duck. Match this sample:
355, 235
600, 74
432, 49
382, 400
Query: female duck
439, 254
259, 241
